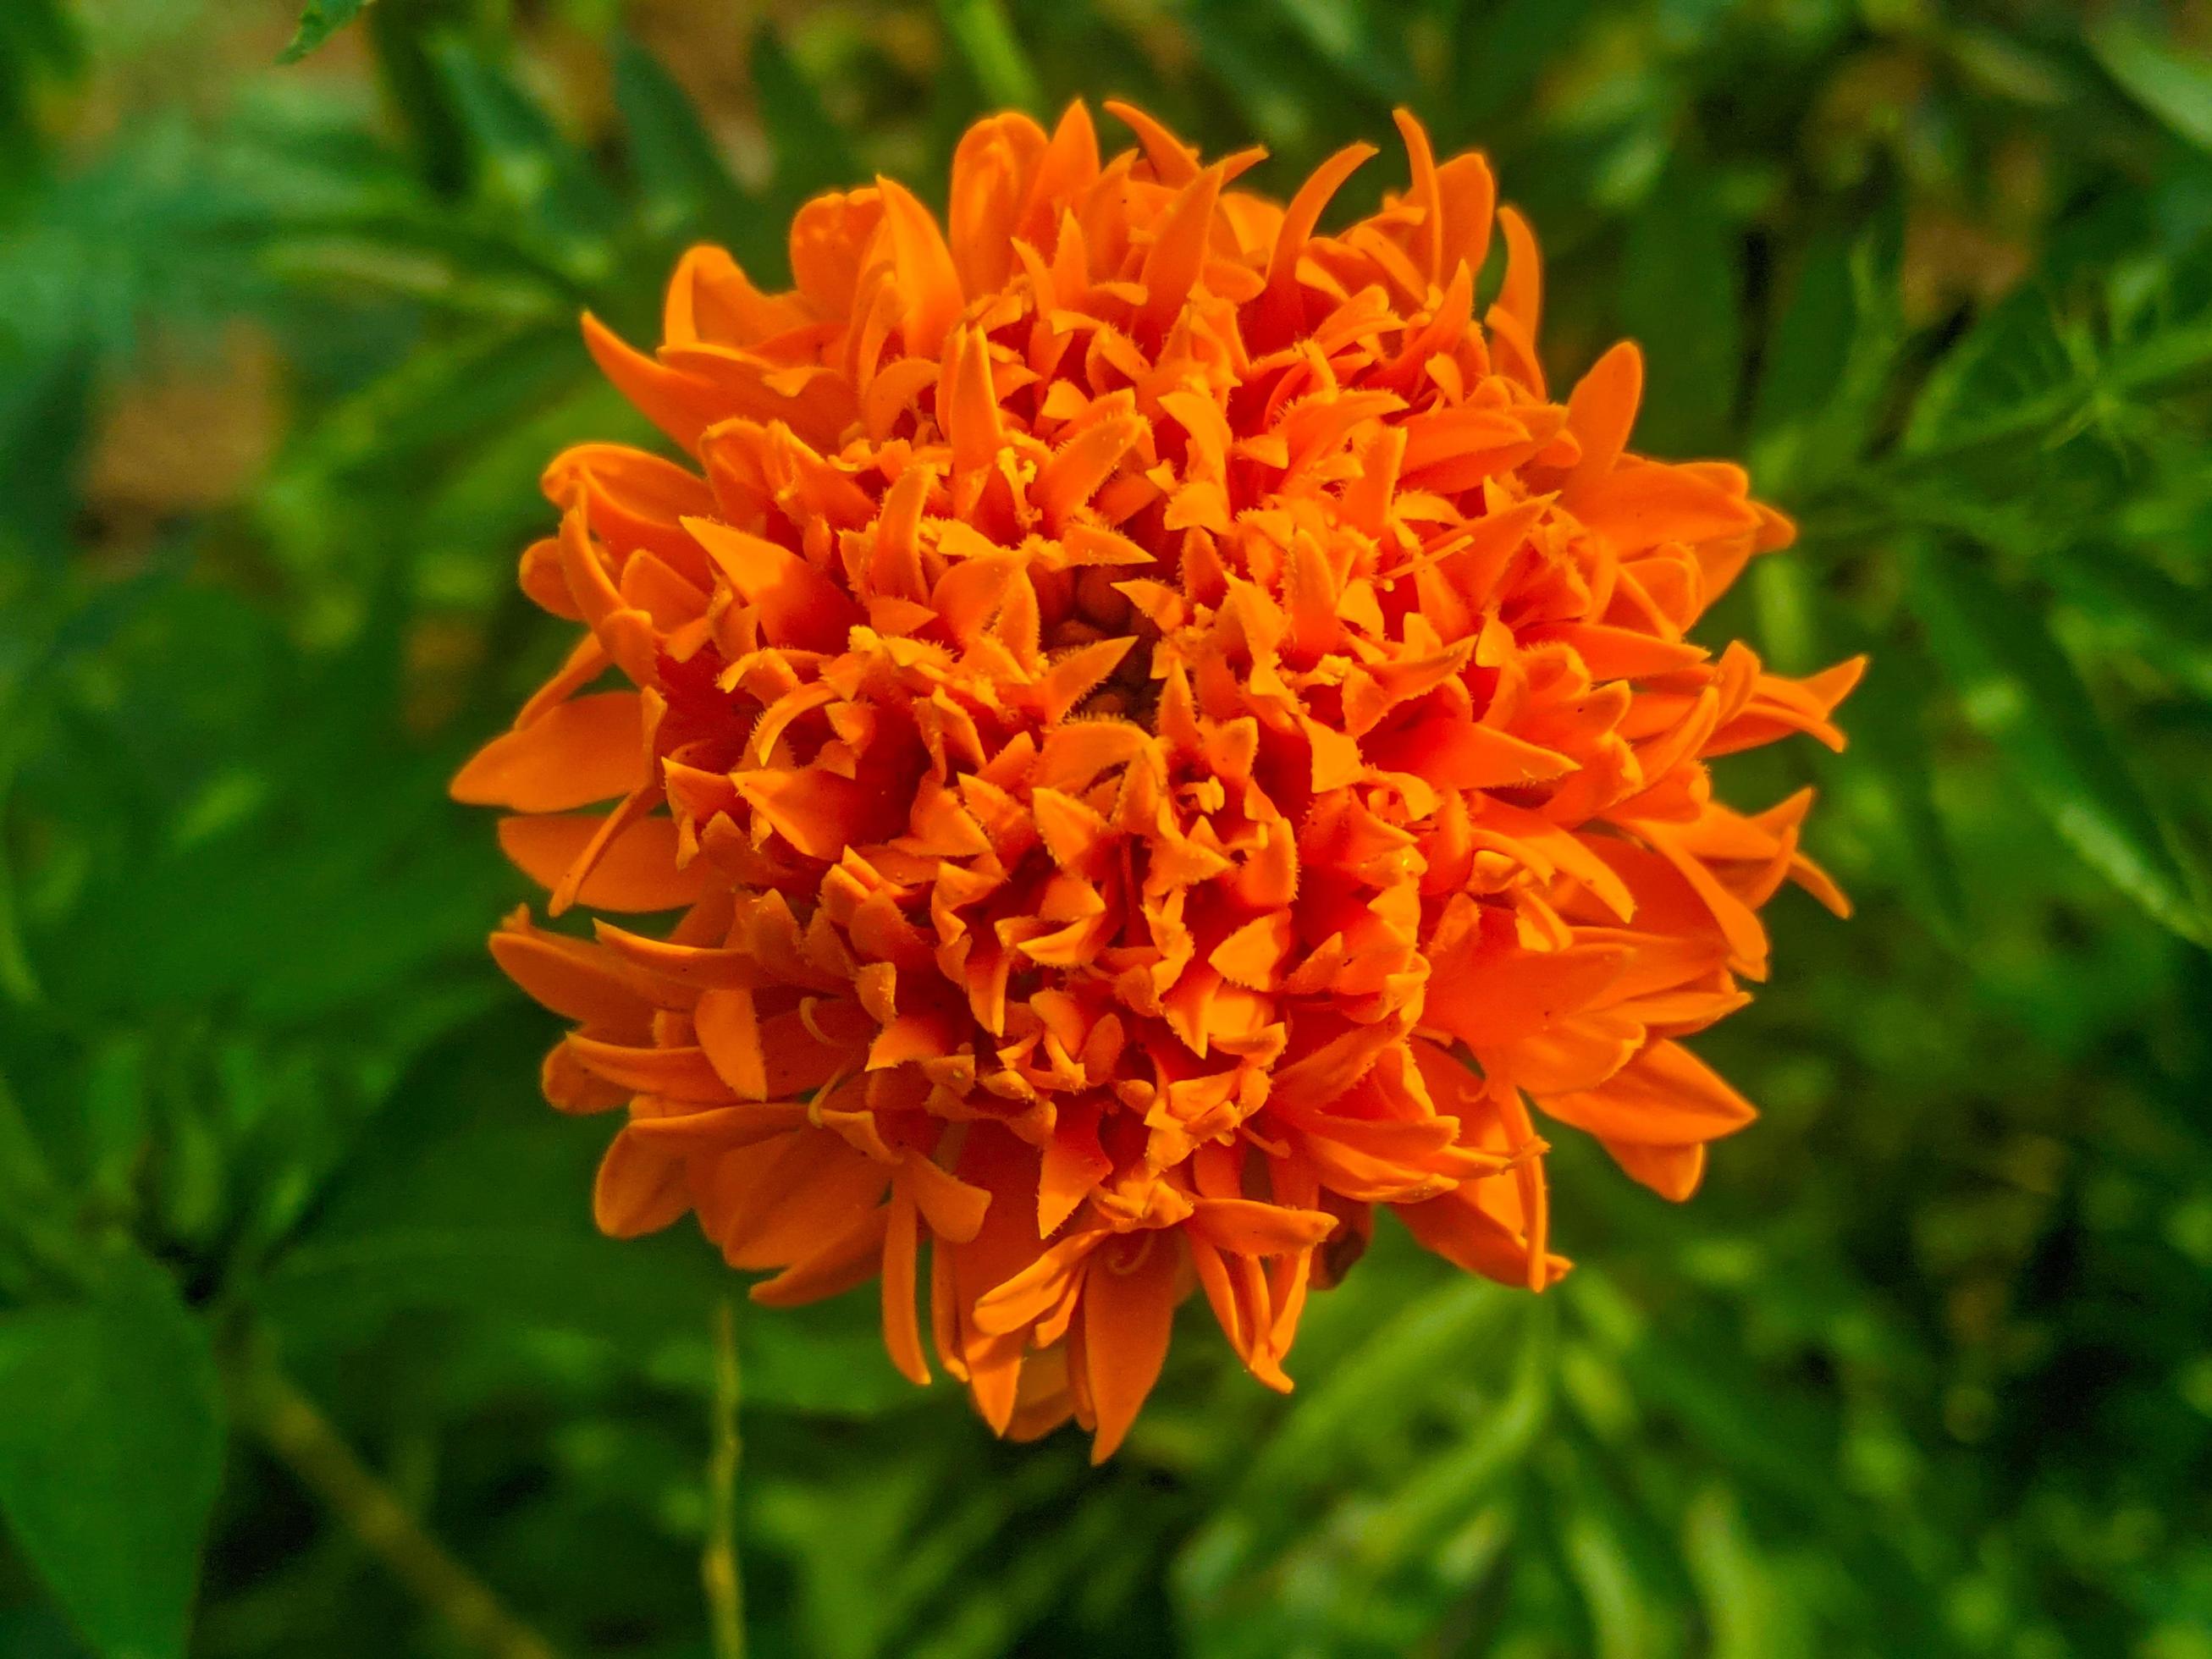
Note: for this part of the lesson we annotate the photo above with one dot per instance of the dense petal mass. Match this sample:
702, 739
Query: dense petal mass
1164, 737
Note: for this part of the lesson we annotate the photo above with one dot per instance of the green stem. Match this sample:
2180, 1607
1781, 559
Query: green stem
2147, 368
288, 1423
718, 1563
985, 39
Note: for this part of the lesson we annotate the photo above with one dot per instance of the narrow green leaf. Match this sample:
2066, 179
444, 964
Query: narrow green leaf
525, 162
811, 151
1838, 432
39, 44
2141, 606
1680, 296
1450, 1485
19, 981
469, 1196
1751, 1615
1886, 781
1270, 86
678, 165
987, 42
1807, 348
321, 19
110, 1449
1614, 1594
1366, 49
1498, 52
2171, 86
2015, 354
26, 1176
2020, 690
46, 417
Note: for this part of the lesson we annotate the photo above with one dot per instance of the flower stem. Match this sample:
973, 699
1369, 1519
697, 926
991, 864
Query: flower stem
718, 1563
289, 1424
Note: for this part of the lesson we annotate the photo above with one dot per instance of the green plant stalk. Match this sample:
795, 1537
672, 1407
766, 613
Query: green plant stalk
272, 1407
985, 39
2149, 366
719, 1568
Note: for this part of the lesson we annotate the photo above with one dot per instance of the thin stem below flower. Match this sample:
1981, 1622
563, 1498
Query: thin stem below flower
718, 1564
289, 1424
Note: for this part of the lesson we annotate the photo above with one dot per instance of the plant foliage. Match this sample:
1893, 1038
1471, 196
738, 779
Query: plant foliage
1925, 1368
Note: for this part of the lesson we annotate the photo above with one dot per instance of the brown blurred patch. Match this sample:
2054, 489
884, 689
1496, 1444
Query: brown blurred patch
190, 59
1950, 257
441, 653
1974, 222
707, 49
189, 432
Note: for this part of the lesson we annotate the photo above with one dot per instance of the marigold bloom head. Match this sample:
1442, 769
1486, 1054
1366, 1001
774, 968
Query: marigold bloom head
1165, 737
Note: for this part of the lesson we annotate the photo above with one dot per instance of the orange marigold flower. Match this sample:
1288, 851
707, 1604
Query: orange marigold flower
1165, 737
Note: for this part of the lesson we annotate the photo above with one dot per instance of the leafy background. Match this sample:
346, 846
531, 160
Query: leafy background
306, 1343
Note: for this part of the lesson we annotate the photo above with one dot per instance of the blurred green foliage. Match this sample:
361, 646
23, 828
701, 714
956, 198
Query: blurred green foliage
1926, 1367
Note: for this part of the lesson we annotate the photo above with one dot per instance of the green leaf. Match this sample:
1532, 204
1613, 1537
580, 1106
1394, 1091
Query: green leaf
1835, 433
1751, 1615
2020, 690
1886, 779
45, 406
111, 1449
1680, 296
1807, 349
1279, 63
469, 1196
811, 151
1498, 52
1326, 1530
2141, 606
1614, 1594
677, 164
2020, 352
1367, 50
321, 19
985, 41
1451, 1484
38, 45
2176, 88
525, 164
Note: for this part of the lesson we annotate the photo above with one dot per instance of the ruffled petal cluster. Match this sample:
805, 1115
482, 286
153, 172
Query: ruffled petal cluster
1164, 737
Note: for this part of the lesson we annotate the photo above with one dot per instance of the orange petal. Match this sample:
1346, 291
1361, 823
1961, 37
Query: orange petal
1245, 1226
679, 405
1601, 410
1172, 263
635, 873
1642, 505
674, 1073
818, 812
847, 1257
1128, 1312
1173, 162
799, 605
1073, 1165
577, 981
1673, 1172
1458, 1227
902, 1327
729, 1032
639, 1189
586, 749
953, 1209
1666, 1097
928, 280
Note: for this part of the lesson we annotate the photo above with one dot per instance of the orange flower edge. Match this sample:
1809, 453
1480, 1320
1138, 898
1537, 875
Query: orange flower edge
1165, 737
